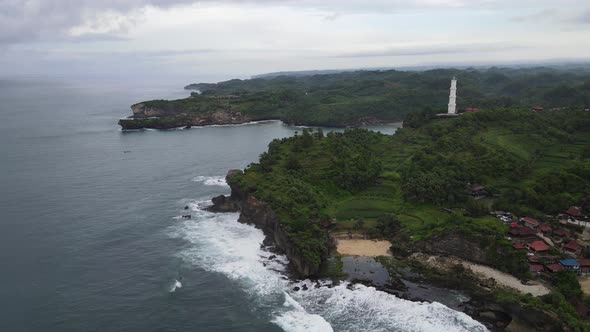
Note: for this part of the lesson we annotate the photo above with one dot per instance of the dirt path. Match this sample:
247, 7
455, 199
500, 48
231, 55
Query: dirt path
485, 272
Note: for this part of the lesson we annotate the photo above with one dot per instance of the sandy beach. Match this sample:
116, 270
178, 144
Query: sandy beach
485, 272
359, 247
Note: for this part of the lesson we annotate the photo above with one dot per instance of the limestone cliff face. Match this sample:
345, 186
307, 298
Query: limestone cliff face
158, 118
454, 244
260, 214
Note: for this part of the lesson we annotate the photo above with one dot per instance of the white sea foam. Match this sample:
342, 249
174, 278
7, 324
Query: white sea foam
220, 244
175, 286
211, 180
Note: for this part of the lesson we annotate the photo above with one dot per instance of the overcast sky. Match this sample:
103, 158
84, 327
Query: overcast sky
219, 39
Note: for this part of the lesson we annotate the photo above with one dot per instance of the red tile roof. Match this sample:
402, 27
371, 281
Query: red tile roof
535, 267
573, 245
554, 267
539, 246
530, 220
544, 228
533, 259
526, 231
518, 246
561, 232
537, 108
584, 262
574, 211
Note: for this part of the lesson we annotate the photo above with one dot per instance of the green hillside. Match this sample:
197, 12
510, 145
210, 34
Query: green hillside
531, 163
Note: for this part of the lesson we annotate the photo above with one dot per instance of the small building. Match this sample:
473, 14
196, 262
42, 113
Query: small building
530, 222
584, 265
533, 259
471, 109
554, 267
522, 231
537, 108
538, 246
573, 246
561, 233
536, 268
570, 264
477, 190
518, 246
574, 212
544, 228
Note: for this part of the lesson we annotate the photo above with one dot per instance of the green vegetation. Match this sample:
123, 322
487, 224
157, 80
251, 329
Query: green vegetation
353, 98
415, 182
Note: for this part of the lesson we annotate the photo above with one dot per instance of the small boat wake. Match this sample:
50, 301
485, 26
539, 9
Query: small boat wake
220, 244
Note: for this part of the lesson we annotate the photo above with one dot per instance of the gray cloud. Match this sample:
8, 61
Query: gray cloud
30, 20
432, 50
584, 18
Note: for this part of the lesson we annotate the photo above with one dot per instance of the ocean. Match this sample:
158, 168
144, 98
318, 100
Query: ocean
92, 239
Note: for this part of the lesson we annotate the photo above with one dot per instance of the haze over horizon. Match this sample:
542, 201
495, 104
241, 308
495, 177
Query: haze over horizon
221, 39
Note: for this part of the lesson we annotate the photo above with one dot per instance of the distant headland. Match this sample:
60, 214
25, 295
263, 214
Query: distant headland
360, 98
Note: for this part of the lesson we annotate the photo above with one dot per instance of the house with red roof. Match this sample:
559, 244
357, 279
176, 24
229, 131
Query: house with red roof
544, 228
584, 265
536, 268
538, 246
530, 222
533, 259
561, 233
537, 108
554, 267
574, 211
518, 246
573, 246
522, 231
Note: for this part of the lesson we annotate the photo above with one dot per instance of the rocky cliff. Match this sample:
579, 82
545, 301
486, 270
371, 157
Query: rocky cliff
159, 118
260, 214
454, 244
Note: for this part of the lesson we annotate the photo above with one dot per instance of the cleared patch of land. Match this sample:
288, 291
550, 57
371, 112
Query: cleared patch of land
358, 247
585, 283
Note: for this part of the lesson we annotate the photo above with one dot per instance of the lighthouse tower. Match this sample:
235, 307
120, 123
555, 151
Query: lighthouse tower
453, 97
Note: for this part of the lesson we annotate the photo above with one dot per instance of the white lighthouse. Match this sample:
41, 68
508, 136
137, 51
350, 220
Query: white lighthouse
453, 97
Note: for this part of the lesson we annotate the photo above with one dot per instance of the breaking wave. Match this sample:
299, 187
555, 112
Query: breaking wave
211, 180
220, 244
175, 285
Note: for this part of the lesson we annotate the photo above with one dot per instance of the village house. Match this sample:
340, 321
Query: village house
538, 246
518, 246
584, 265
523, 231
554, 267
570, 264
573, 246
536, 268
537, 108
530, 222
561, 233
544, 228
477, 191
